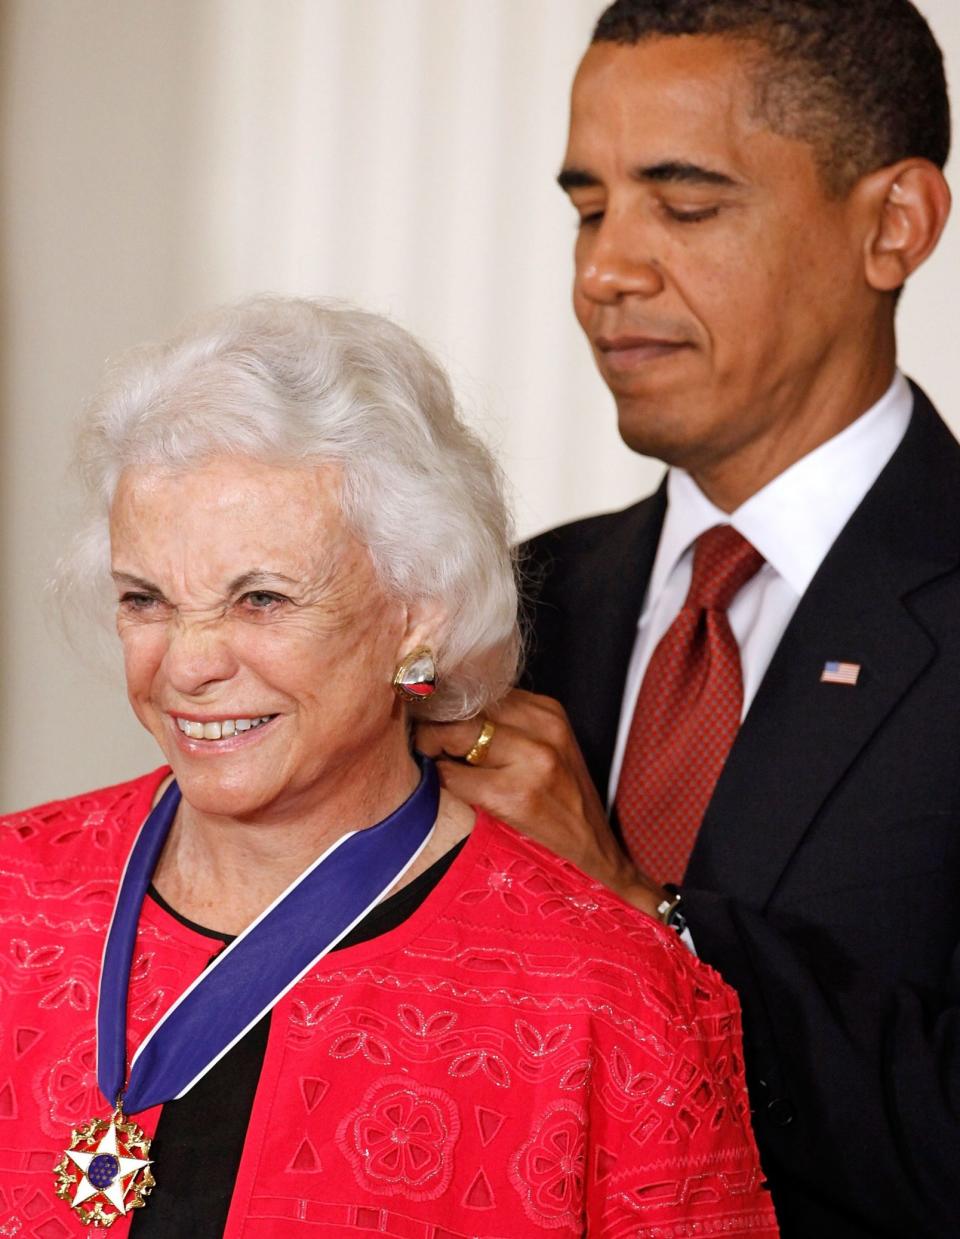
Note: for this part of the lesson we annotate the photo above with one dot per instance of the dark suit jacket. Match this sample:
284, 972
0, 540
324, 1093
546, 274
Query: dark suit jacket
825, 881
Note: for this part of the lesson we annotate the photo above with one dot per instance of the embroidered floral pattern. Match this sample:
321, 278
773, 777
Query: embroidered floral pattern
491, 1065
548, 1169
306, 1018
70, 1087
357, 1041
538, 1045
400, 1139
412, 1020
502, 883
43, 957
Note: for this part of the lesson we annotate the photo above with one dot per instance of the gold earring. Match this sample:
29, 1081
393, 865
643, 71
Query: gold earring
415, 678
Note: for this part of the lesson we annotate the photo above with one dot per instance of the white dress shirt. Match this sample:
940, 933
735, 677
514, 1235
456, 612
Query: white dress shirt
792, 522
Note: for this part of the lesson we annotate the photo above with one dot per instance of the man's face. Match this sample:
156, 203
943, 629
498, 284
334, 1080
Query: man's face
721, 288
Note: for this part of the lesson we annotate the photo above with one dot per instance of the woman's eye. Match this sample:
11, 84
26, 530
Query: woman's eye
139, 603
263, 600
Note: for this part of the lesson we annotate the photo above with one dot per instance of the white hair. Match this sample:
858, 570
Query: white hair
290, 381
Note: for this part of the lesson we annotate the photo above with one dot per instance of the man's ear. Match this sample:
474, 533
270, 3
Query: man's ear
909, 204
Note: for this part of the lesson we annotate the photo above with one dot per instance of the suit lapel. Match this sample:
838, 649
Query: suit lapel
603, 597
801, 736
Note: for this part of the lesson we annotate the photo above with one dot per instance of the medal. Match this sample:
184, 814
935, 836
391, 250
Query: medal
106, 1171
114, 1170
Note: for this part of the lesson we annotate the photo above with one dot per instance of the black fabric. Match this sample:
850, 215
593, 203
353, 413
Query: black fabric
586, 584
200, 1138
825, 880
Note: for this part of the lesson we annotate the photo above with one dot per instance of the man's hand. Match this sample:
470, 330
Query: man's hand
534, 777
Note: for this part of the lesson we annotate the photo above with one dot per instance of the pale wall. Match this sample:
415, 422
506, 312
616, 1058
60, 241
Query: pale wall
161, 155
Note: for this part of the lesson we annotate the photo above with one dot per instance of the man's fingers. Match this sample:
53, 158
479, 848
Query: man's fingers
540, 717
527, 711
478, 786
562, 824
508, 746
490, 789
520, 719
455, 739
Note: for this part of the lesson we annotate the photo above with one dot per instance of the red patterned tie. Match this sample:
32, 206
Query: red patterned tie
687, 713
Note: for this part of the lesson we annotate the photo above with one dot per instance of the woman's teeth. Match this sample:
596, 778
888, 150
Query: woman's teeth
221, 730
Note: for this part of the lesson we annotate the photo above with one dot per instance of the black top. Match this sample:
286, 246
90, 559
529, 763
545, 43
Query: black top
200, 1138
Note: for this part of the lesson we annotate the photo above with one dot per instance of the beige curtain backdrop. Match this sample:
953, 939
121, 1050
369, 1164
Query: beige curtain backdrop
159, 156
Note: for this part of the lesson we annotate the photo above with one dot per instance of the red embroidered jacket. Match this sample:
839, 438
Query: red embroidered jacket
524, 1055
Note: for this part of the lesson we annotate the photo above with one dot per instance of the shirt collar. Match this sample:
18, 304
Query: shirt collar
795, 519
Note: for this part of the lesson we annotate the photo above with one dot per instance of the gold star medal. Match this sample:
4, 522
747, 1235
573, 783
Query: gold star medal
106, 1170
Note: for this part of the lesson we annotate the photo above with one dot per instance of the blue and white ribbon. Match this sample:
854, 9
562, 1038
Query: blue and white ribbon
255, 971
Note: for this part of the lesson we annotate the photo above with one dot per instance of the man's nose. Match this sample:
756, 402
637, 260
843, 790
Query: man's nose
198, 656
618, 263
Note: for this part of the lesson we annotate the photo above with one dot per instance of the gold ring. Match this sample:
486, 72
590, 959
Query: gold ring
481, 747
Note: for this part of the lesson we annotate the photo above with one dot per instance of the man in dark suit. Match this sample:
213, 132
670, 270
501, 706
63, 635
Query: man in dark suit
755, 181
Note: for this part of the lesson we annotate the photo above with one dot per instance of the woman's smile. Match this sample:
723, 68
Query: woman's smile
214, 733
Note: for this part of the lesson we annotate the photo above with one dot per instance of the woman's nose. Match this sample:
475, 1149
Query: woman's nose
198, 655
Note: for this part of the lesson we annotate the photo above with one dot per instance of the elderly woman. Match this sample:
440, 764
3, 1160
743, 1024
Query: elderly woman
284, 985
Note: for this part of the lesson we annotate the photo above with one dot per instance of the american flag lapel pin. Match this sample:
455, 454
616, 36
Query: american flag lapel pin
840, 673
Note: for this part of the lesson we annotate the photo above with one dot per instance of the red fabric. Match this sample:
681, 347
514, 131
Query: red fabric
525, 1055
687, 713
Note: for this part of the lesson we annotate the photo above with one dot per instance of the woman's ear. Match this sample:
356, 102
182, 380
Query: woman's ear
909, 204
416, 674
425, 627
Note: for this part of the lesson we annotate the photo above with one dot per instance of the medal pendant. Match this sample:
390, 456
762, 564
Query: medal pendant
106, 1170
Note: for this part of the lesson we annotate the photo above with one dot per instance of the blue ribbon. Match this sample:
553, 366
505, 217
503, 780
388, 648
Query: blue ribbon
259, 966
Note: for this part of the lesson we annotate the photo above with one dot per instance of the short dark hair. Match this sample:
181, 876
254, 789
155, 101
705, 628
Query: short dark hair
861, 80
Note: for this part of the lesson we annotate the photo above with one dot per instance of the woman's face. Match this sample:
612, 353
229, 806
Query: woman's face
258, 645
